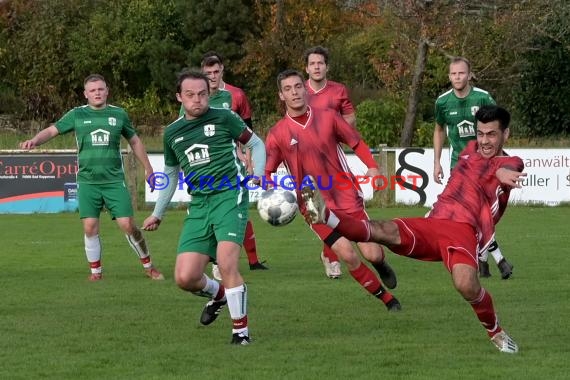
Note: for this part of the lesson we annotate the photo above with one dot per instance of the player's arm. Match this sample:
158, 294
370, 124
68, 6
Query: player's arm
438, 139
140, 153
40, 138
510, 172
164, 197
350, 119
257, 148
362, 151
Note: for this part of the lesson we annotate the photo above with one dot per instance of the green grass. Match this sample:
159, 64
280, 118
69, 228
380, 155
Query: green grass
54, 324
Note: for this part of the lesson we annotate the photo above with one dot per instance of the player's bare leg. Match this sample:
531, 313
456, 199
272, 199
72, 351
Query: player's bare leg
138, 244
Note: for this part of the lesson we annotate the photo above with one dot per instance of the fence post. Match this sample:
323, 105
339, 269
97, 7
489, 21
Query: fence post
131, 174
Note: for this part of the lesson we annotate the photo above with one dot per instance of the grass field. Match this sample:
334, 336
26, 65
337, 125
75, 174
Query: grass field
54, 324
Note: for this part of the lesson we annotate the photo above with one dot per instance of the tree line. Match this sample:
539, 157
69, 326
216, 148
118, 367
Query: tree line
392, 54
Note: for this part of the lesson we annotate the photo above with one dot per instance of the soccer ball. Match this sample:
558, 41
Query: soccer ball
277, 207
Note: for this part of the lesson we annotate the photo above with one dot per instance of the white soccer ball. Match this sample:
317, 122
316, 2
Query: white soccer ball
277, 207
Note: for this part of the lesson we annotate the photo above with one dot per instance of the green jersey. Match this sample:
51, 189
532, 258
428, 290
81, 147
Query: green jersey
221, 99
98, 135
457, 116
205, 149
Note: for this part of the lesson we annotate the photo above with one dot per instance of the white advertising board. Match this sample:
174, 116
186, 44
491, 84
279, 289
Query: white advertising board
547, 181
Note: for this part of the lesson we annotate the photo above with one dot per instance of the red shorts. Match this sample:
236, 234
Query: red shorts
430, 239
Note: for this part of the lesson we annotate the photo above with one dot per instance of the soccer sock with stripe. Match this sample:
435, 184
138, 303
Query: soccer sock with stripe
138, 244
483, 308
237, 305
369, 281
93, 252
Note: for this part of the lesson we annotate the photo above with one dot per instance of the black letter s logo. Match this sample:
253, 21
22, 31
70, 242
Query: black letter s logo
405, 166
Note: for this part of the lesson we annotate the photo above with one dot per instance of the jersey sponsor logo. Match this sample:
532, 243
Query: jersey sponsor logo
100, 137
466, 128
293, 142
86, 121
198, 154
112, 121
233, 234
209, 130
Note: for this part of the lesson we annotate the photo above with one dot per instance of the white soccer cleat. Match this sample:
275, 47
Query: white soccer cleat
314, 202
216, 272
335, 270
505, 343
329, 269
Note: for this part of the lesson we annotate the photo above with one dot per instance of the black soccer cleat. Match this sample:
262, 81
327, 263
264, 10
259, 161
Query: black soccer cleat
211, 311
394, 305
387, 274
240, 339
258, 266
484, 269
506, 269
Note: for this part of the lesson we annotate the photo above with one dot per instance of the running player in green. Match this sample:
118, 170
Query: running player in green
98, 128
455, 114
203, 143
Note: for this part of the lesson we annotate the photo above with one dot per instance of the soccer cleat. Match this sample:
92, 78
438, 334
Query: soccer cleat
216, 272
387, 275
335, 271
506, 269
95, 276
484, 269
211, 311
394, 305
240, 339
505, 343
154, 274
327, 265
258, 266
314, 202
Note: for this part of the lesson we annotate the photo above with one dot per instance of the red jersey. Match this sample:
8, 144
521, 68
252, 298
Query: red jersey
315, 149
334, 95
474, 195
240, 104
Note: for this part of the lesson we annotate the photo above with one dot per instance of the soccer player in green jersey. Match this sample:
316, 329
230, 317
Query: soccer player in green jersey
224, 95
455, 112
98, 128
203, 143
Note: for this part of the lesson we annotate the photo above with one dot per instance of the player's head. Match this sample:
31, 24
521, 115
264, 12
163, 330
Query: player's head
193, 91
95, 91
460, 73
292, 90
214, 69
316, 63
212, 53
492, 129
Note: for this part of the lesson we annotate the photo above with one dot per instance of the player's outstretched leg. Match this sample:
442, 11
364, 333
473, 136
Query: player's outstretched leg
314, 202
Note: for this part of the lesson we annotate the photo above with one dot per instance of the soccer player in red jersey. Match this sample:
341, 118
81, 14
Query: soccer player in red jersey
461, 223
213, 66
324, 93
308, 142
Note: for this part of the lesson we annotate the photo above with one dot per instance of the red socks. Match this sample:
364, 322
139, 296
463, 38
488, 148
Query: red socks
371, 283
249, 244
483, 307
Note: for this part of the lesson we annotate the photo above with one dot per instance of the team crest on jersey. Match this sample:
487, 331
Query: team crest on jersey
112, 121
100, 137
209, 130
226, 105
474, 110
198, 154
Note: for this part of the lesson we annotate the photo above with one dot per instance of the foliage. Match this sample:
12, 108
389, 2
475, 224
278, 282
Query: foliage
380, 121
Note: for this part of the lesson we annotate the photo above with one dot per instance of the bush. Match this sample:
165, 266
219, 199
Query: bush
380, 121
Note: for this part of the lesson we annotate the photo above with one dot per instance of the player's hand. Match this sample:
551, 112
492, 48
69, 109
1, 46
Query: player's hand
437, 173
510, 177
150, 179
151, 223
27, 145
372, 173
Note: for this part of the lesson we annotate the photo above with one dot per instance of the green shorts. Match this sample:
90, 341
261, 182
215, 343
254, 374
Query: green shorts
114, 196
213, 218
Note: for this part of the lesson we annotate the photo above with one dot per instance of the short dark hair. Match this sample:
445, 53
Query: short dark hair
93, 78
316, 50
286, 74
491, 112
191, 74
458, 59
212, 53
211, 61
